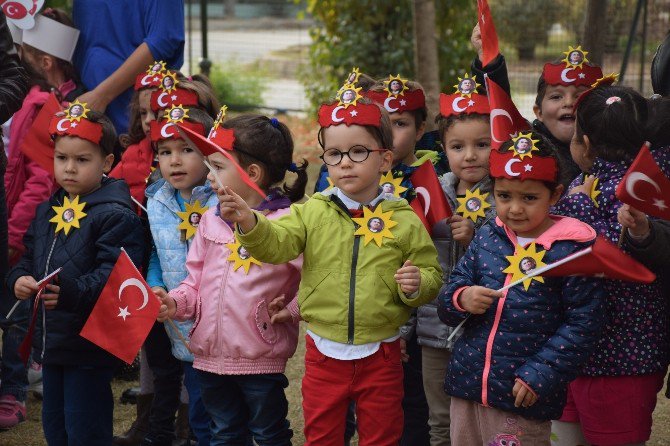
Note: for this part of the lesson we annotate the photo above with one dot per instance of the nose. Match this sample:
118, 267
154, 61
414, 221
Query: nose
175, 158
470, 153
70, 166
346, 161
149, 117
515, 207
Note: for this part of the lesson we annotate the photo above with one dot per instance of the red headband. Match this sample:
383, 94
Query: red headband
561, 74
535, 167
75, 123
458, 104
410, 100
152, 77
359, 114
160, 99
166, 129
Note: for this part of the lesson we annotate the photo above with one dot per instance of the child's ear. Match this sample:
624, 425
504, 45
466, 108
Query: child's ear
107, 166
387, 161
556, 194
420, 131
255, 173
538, 111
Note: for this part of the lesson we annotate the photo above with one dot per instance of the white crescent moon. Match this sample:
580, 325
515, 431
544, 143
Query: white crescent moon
145, 79
494, 114
387, 105
508, 167
59, 127
164, 134
457, 108
426, 198
135, 282
333, 115
160, 100
564, 75
634, 178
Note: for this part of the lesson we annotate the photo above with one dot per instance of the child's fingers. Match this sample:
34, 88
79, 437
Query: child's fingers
54, 288
521, 394
50, 300
529, 399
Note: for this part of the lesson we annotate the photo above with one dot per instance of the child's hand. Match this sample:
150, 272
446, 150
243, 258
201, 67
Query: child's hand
476, 41
233, 208
408, 277
584, 188
276, 305
25, 287
403, 350
168, 308
524, 397
478, 299
281, 316
462, 229
636, 221
50, 299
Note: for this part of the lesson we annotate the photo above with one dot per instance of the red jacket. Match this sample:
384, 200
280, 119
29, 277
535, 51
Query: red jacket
135, 167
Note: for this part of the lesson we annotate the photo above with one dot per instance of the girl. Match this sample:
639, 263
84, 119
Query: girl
182, 190
509, 370
240, 356
612, 124
27, 185
358, 285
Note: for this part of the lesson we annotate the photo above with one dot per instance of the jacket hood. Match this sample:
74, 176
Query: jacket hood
327, 195
564, 228
162, 186
111, 190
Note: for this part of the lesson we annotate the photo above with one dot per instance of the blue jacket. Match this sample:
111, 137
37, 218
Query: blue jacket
171, 249
541, 336
87, 256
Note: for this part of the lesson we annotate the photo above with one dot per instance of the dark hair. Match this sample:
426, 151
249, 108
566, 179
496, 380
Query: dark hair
443, 124
617, 130
366, 82
108, 139
420, 114
268, 143
658, 122
546, 149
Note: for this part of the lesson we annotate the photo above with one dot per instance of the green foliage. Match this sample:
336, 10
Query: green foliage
65, 5
378, 37
237, 86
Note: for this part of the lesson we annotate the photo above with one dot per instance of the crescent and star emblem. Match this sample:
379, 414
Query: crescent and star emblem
160, 100
423, 193
508, 167
333, 115
494, 114
60, 127
164, 132
564, 75
387, 104
457, 108
123, 312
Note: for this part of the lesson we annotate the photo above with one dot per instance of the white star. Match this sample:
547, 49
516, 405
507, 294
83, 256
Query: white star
73, 125
660, 204
581, 75
471, 103
123, 312
173, 97
527, 168
403, 102
156, 79
213, 134
353, 113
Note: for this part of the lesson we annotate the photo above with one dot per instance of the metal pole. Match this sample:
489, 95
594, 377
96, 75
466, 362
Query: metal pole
189, 31
205, 64
643, 44
631, 36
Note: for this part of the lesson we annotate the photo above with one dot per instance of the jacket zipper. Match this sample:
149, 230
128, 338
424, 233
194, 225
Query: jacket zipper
352, 288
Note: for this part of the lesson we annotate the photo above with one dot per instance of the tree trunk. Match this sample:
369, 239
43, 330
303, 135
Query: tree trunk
229, 8
426, 63
595, 30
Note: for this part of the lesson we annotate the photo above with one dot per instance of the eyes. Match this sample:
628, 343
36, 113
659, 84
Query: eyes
480, 145
401, 124
79, 159
168, 152
503, 196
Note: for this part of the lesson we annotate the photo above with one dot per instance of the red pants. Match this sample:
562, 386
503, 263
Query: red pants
374, 383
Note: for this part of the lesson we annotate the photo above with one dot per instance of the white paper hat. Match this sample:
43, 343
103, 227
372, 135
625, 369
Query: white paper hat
17, 33
52, 37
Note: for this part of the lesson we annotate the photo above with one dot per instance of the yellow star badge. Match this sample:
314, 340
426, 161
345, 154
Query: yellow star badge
609, 79
524, 145
375, 225
353, 76
77, 110
157, 67
169, 81
177, 113
473, 205
467, 85
348, 95
594, 192
330, 184
190, 218
396, 86
220, 117
522, 262
391, 185
241, 257
68, 215
575, 57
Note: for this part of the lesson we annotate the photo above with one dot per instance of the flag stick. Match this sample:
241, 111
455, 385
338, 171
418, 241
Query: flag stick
179, 335
622, 234
48, 277
530, 275
139, 204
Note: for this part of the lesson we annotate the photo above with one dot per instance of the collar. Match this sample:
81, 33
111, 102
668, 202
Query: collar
564, 228
353, 204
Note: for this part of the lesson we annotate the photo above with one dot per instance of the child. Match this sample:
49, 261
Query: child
240, 356
358, 286
612, 124
78, 404
27, 185
509, 370
182, 190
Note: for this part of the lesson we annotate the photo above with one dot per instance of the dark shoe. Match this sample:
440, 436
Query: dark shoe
129, 396
182, 429
140, 427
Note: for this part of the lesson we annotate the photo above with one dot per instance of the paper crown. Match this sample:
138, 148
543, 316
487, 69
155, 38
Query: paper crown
74, 122
397, 97
217, 141
166, 128
465, 100
574, 69
360, 114
52, 37
152, 77
533, 167
161, 100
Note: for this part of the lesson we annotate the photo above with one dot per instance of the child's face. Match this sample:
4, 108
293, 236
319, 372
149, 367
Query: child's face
580, 153
358, 181
405, 136
79, 165
556, 111
467, 145
229, 176
146, 114
524, 205
181, 166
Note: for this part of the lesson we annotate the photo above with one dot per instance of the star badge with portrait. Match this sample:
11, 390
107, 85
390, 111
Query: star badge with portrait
467, 85
68, 215
348, 95
391, 185
522, 262
396, 86
594, 192
240, 257
473, 205
375, 225
524, 145
575, 57
190, 218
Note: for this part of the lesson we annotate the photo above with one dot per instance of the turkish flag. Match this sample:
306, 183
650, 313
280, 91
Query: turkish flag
430, 204
645, 186
488, 31
125, 312
37, 144
506, 120
602, 259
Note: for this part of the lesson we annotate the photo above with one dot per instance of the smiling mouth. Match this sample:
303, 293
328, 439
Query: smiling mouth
567, 118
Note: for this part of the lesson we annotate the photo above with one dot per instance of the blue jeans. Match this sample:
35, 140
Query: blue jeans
78, 405
198, 418
243, 404
13, 374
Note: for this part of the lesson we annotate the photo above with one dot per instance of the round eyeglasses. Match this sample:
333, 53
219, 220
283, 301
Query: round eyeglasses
357, 154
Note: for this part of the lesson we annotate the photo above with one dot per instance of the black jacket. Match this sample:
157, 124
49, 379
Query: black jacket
87, 256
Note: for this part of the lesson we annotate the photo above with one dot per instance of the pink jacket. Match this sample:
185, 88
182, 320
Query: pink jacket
232, 333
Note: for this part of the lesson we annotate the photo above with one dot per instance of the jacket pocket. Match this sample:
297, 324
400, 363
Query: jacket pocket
314, 282
263, 324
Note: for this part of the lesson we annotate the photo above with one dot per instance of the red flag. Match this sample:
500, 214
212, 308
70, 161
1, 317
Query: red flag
125, 312
488, 31
37, 144
602, 259
430, 204
645, 186
502, 107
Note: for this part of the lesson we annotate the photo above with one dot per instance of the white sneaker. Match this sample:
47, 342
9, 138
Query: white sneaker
35, 379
